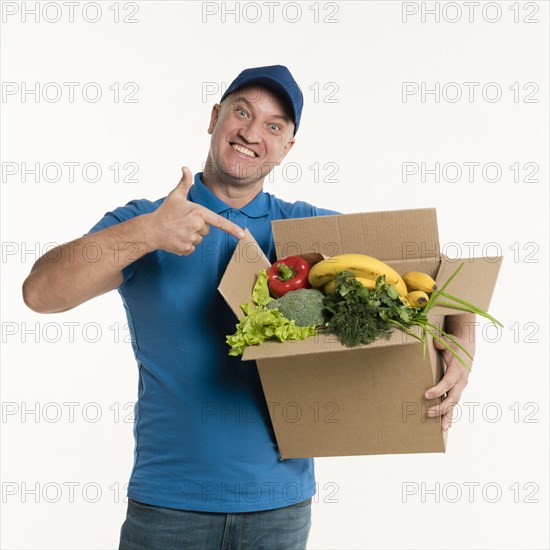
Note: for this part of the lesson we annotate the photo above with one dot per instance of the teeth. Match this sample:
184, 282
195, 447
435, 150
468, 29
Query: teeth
243, 150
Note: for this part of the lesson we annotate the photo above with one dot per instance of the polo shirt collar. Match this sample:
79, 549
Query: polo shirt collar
200, 194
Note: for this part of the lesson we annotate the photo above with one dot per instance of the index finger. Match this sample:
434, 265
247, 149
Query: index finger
220, 222
445, 384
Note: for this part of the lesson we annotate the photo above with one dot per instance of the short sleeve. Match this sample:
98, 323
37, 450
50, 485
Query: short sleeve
324, 212
121, 214
305, 209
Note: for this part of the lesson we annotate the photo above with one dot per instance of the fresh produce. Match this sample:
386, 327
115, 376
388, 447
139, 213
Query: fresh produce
358, 315
288, 274
360, 265
455, 303
331, 285
261, 323
304, 306
417, 298
416, 280
364, 302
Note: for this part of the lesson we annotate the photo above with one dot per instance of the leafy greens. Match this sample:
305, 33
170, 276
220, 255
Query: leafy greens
261, 323
360, 316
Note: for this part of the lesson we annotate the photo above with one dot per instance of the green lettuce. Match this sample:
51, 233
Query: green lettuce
260, 292
261, 324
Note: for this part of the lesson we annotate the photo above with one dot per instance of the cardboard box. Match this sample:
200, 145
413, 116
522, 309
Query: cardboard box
326, 399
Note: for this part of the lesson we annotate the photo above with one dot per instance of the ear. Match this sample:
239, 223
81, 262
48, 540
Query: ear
286, 149
216, 108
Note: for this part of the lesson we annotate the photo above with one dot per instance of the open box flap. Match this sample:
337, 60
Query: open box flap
392, 235
474, 283
241, 272
321, 343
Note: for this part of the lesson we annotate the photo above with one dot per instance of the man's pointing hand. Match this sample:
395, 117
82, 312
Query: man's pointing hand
180, 225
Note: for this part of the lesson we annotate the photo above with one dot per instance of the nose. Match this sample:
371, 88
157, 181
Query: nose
251, 131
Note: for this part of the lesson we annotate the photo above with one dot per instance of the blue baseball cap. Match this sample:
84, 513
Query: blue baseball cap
278, 79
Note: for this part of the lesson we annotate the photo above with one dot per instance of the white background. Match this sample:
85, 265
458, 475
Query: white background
359, 121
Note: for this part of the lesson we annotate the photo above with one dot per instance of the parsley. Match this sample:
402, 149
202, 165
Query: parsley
358, 315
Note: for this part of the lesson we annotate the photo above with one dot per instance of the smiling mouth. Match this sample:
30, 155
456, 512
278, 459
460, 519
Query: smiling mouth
243, 150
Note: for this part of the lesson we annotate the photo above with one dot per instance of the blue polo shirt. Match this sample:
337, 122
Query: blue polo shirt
203, 435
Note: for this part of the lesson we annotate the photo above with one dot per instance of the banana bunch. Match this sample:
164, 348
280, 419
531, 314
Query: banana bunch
365, 268
419, 286
415, 286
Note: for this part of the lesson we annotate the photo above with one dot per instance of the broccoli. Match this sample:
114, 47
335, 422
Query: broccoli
304, 305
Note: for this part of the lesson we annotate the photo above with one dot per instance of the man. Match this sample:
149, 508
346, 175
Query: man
207, 473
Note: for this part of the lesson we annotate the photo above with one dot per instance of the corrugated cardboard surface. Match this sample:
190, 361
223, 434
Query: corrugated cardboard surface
353, 403
321, 342
429, 265
395, 235
241, 273
475, 282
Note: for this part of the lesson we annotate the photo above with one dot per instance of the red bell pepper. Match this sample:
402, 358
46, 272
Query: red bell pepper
288, 274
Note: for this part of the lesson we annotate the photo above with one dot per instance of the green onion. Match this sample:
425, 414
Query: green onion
435, 294
452, 338
451, 350
473, 308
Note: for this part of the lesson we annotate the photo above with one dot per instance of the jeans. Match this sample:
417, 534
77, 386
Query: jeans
150, 527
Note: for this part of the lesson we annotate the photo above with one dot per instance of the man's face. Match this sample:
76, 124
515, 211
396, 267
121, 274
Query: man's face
251, 133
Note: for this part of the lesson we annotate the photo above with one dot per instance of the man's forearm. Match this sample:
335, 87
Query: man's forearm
75, 272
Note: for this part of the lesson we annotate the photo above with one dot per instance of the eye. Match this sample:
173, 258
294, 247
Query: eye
274, 126
241, 111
